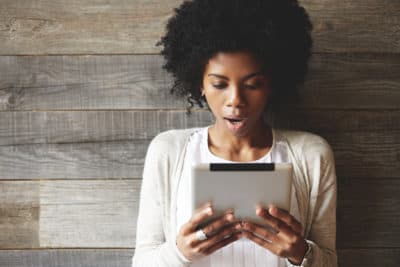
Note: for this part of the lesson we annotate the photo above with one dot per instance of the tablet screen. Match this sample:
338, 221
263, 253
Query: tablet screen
241, 186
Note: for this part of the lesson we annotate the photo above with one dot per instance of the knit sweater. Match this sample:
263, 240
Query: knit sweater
314, 179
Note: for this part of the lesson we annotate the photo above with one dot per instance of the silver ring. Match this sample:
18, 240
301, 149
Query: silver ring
200, 235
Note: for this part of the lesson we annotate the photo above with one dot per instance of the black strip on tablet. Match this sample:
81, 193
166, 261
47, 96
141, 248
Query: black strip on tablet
242, 166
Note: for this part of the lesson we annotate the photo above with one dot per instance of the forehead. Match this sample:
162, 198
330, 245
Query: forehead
233, 62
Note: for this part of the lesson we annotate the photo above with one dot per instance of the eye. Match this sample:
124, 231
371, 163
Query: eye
249, 86
218, 86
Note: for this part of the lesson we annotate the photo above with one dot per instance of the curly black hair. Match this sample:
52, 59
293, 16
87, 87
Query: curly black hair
277, 32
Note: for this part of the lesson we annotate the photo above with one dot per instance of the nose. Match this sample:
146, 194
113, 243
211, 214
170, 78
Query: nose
235, 98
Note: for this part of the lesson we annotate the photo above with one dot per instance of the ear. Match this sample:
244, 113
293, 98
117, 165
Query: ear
202, 91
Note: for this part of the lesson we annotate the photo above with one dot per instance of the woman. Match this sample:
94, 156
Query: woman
242, 59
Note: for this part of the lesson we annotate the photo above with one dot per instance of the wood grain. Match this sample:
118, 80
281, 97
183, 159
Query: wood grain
112, 144
84, 83
67, 258
122, 257
365, 207
348, 81
125, 27
50, 127
103, 213
99, 213
19, 214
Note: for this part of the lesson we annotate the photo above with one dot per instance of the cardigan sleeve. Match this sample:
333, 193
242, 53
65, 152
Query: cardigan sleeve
323, 227
322, 234
152, 248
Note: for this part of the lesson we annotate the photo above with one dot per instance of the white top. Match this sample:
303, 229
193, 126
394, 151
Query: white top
243, 252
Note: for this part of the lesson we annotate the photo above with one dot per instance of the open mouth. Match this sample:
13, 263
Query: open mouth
235, 123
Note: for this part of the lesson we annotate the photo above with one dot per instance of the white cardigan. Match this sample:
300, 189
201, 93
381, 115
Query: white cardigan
314, 178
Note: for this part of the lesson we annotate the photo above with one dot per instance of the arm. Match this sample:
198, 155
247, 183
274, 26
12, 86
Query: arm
323, 228
322, 235
152, 248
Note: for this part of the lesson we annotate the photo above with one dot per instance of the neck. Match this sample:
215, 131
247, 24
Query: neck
257, 138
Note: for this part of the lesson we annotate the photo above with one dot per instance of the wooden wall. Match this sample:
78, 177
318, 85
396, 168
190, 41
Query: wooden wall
82, 93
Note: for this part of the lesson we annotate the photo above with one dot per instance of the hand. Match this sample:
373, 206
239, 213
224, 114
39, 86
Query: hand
220, 232
286, 241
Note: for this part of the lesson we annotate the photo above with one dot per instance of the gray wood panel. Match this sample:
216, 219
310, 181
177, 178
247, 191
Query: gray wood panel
25, 127
366, 155
355, 26
368, 208
103, 213
65, 213
51, 127
76, 27
100, 213
122, 257
19, 214
355, 81
82, 27
368, 257
67, 258
84, 82
112, 144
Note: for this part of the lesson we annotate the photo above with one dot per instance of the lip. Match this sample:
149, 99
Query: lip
234, 118
235, 127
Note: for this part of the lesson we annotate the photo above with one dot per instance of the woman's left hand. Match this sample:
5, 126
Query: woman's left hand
287, 241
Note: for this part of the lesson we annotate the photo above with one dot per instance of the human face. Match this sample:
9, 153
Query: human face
236, 89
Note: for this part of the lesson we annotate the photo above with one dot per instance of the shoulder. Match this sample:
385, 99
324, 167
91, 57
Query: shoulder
171, 140
306, 145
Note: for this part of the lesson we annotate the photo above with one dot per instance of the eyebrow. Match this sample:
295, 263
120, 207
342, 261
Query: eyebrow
244, 78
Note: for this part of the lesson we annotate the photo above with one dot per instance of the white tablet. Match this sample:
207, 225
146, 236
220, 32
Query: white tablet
241, 186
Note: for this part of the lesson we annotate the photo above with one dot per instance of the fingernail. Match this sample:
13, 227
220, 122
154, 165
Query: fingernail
272, 209
259, 210
208, 210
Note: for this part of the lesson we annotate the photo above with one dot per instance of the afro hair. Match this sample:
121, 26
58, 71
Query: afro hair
277, 32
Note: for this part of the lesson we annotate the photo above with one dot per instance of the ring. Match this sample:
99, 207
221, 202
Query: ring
201, 235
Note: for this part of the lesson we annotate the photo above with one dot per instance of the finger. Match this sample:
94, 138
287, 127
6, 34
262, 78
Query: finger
280, 226
211, 244
218, 224
261, 232
271, 246
234, 237
226, 232
283, 215
200, 214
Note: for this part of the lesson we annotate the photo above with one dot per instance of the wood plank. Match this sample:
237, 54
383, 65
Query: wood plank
67, 258
368, 257
76, 27
99, 213
102, 213
19, 214
353, 81
83, 83
73, 27
114, 159
356, 25
365, 208
24, 127
365, 155
65, 213
122, 257
101, 144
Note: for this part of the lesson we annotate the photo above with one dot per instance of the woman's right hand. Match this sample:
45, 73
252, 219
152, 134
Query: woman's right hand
220, 232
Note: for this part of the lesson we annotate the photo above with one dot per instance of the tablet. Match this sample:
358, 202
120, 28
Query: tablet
241, 186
